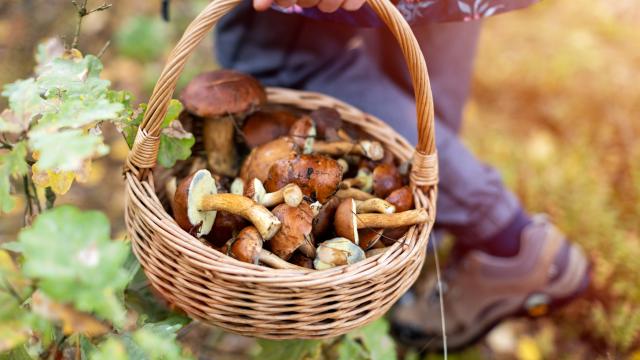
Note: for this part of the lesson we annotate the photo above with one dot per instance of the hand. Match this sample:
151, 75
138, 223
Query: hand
327, 6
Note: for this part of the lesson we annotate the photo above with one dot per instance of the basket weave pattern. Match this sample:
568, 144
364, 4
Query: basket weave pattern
254, 300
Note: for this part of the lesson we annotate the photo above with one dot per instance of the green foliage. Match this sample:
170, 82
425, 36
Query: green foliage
12, 165
175, 142
77, 264
289, 349
369, 342
142, 38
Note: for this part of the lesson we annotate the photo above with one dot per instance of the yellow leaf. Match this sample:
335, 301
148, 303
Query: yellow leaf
9, 271
12, 334
61, 181
73, 321
528, 349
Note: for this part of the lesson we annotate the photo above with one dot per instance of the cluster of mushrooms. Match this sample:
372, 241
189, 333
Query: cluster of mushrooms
284, 189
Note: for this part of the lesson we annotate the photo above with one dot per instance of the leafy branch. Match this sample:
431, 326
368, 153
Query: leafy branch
81, 7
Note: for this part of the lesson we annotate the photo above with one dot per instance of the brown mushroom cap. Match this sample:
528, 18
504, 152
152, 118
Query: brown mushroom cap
222, 92
317, 176
261, 127
401, 198
224, 228
327, 122
257, 164
247, 245
345, 220
301, 260
295, 230
188, 192
386, 178
323, 221
303, 133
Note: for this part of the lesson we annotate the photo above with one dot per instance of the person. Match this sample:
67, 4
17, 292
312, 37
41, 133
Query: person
506, 262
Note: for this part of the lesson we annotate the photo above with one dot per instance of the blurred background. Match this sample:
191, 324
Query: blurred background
555, 107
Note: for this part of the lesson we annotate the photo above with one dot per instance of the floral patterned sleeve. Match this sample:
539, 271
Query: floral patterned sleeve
419, 11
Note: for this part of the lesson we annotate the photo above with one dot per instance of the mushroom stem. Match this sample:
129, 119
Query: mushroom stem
266, 223
221, 150
363, 181
374, 206
290, 194
354, 193
270, 259
344, 165
405, 218
370, 149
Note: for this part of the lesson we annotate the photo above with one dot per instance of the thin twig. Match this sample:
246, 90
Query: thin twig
82, 12
439, 279
36, 196
27, 193
103, 50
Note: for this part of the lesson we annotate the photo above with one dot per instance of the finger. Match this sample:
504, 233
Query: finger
262, 5
329, 6
285, 3
308, 3
353, 5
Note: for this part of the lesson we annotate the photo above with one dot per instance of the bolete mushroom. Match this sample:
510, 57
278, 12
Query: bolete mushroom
374, 206
336, 252
289, 194
317, 176
224, 228
362, 181
220, 98
370, 149
295, 232
197, 202
348, 221
257, 164
402, 199
303, 133
354, 193
323, 221
264, 126
247, 247
329, 124
386, 178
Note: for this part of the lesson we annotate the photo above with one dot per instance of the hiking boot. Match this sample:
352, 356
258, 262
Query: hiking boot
480, 290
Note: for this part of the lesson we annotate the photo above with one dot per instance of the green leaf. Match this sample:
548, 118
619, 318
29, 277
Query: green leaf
289, 349
173, 112
47, 51
175, 144
66, 150
349, 349
73, 78
375, 340
111, 349
12, 165
79, 112
70, 254
130, 126
25, 102
19, 353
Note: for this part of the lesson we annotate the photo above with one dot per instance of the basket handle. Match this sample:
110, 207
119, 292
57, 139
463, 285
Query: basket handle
425, 164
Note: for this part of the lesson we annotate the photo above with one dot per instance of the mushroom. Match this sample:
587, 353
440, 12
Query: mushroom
371, 164
262, 126
316, 175
362, 181
197, 202
376, 251
224, 228
303, 133
220, 98
289, 194
237, 186
247, 247
386, 178
336, 252
348, 221
329, 124
323, 221
370, 149
257, 164
354, 193
301, 260
402, 199
344, 165
374, 206
295, 232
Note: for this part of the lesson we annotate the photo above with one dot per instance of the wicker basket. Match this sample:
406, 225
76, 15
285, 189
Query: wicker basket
257, 301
